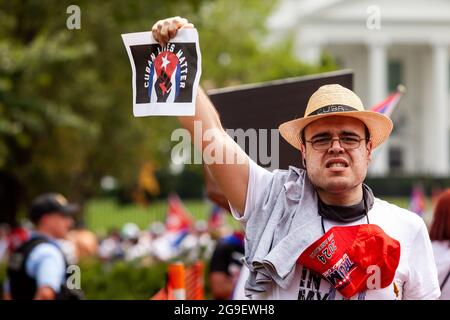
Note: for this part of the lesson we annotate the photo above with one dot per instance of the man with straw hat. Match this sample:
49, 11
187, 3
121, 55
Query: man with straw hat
319, 233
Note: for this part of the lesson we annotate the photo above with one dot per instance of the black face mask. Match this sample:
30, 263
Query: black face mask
348, 213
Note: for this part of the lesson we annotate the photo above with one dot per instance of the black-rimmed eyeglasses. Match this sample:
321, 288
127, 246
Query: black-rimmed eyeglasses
325, 143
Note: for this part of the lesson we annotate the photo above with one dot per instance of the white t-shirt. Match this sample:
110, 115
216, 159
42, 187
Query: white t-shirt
416, 275
239, 291
441, 251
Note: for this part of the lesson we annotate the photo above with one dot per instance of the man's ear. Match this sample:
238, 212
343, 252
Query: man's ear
369, 147
303, 152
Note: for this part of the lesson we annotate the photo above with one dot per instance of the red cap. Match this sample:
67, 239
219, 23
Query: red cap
343, 256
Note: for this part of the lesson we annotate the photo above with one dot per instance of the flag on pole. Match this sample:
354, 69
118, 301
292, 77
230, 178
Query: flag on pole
178, 226
178, 218
388, 105
417, 200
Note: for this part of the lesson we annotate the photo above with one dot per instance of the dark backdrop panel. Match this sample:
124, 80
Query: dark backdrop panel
267, 105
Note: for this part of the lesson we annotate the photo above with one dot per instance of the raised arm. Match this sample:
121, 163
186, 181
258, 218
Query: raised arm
231, 171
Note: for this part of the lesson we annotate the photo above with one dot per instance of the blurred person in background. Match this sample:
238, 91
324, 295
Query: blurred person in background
135, 244
440, 241
4, 232
110, 248
18, 235
85, 242
156, 229
37, 268
196, 244
225, 265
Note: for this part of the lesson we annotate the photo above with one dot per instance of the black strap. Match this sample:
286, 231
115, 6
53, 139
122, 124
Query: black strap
24, 251
30, 244
445, 280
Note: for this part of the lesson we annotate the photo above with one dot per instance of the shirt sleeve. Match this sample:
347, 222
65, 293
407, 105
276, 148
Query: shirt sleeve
46, 264
423, 281
258, 180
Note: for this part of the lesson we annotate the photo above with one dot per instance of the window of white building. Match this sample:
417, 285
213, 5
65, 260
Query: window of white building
396, 160
395, 74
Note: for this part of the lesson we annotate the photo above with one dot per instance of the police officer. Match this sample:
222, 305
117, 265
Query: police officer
37, 269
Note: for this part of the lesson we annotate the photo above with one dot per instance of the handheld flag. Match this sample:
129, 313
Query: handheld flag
388, 105
178, 218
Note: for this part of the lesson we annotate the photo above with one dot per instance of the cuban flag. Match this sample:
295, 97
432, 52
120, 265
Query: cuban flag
178, 218
388, 105
178, 225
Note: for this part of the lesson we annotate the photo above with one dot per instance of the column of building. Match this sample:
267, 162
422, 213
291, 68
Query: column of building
377, 85
436, 114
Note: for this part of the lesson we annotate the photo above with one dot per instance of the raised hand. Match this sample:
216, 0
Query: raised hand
165, 30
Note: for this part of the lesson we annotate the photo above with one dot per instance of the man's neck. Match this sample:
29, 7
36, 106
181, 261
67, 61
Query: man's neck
347, 198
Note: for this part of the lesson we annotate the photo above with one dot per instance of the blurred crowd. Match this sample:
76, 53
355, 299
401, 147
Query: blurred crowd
128, 243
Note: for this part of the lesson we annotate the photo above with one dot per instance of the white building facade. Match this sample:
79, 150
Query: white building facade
386, 43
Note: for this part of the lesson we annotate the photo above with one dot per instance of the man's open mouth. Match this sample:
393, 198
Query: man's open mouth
337, 163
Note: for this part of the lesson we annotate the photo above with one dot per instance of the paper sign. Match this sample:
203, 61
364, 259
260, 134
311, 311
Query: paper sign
164, 80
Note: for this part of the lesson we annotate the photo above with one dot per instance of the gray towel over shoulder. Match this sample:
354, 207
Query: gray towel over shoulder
282, 225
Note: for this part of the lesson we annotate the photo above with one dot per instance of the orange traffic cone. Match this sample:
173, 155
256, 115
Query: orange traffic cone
177, 282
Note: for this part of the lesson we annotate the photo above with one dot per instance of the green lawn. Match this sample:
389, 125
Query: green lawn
104, 214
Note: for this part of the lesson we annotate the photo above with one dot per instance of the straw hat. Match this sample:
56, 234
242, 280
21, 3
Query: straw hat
335, 100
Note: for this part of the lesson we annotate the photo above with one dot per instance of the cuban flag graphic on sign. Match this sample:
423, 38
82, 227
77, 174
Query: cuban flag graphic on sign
166, 74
